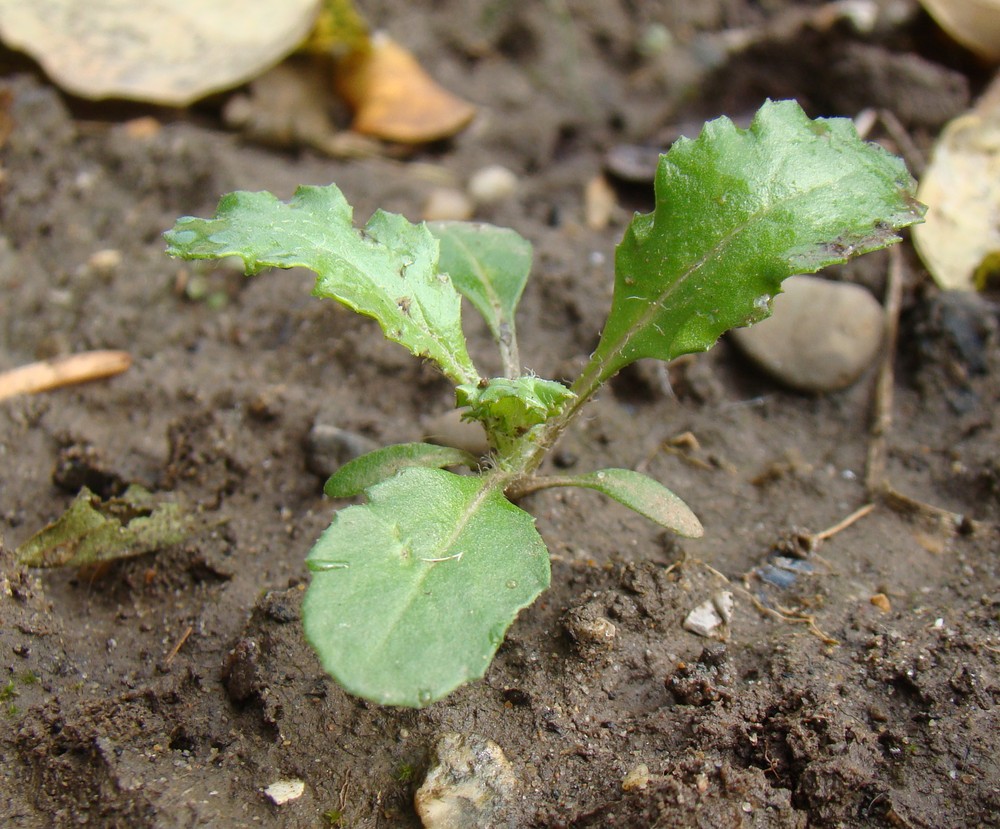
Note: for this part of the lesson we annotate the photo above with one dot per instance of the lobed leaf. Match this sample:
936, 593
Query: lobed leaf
513, 406
357, 475
412, 592
638, 492
737, 211
388, 271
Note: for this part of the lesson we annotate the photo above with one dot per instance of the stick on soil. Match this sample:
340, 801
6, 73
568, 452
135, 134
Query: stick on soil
63, 371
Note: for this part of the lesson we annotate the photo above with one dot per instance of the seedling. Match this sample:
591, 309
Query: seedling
413, 590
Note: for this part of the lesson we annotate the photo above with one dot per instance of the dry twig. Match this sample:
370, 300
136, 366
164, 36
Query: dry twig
63, 371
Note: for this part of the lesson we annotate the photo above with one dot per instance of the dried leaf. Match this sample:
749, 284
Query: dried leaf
973, 23
961, 188
92, 530
172, 54
395, 99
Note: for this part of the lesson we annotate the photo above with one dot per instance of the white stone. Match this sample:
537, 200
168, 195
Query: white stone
704, 620
492, 184
724, 603
283, 791
446, 204
470, 786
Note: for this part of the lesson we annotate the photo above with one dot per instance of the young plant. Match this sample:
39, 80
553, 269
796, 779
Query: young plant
413, 590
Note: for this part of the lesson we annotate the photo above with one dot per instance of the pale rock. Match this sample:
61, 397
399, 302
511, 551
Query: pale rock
283, 791
821, 337
492, 184
637, 779
589, 629
724, 604
599, 201
447, 204
329, 447
105, 262
448, 429
704, 620
470, 785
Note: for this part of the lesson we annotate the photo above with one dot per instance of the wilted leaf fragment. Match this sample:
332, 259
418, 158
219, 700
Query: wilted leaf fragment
973, 23
395, 99
961, 187
737, 211
169, 53
339, 30
412, 592
92, 530
355, 476
388, 271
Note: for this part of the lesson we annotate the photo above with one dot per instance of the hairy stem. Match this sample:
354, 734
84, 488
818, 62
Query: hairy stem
522, 465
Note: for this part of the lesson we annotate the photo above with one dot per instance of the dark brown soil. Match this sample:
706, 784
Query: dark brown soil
115, 712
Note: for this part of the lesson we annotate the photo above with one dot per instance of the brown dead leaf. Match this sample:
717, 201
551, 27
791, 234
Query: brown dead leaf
395, 99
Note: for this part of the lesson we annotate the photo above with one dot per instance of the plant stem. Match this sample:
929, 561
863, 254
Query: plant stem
536, 446
509, 356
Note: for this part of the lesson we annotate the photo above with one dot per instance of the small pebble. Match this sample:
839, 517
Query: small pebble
144, 127
446, 204
637, 779
282, 791
492, 184
724, 603
589, 628
704, 620
881, 601
821, 337
470, 785
449, 429
599, 200
105, 262
329, 447
632, 163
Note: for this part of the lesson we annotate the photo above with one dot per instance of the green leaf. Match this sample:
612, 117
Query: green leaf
388, 271
638, 492
92, 530
490, 266
412, 592
513, 406
737, 211
355, 476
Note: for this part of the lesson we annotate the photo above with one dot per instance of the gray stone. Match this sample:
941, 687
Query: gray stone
821, 337
329, 447
470, 785
448, 429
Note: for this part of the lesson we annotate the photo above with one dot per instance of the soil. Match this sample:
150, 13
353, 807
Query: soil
829, 709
